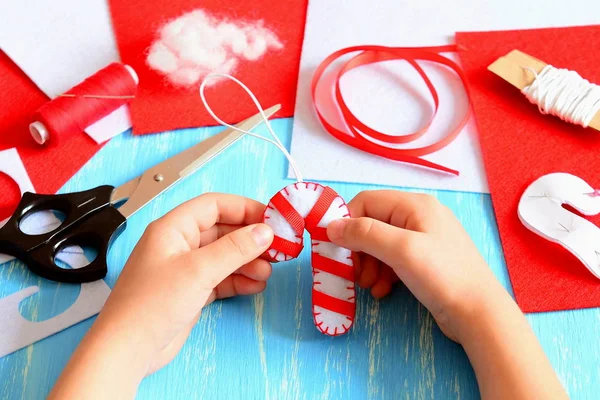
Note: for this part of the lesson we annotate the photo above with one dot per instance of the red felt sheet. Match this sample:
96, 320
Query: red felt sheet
49, 166
520, 145
161, 106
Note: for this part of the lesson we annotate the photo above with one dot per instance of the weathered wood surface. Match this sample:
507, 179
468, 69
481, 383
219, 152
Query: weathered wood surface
266, 347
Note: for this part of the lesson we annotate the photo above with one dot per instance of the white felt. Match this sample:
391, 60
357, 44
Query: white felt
333, 285
391, 97
60, 43
330, 250
540, 210
196, 44
16, 332
329, 320
303, 196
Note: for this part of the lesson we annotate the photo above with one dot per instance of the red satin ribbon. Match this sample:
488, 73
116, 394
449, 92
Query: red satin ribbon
359, 131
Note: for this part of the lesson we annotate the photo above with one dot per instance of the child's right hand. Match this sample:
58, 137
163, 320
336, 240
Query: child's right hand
415, 238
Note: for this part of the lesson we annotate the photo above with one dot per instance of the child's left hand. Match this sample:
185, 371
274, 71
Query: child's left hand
203, 250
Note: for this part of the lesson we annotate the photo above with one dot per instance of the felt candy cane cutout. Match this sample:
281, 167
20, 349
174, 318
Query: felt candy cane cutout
540, 210
311, 206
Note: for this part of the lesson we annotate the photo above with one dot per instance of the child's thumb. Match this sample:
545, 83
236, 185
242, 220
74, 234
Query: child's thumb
218, 260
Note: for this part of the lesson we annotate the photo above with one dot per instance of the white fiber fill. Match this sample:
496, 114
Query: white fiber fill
196, 44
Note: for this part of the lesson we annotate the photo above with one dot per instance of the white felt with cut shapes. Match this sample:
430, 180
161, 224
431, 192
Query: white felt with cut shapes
60, 43
540, 210
17, 332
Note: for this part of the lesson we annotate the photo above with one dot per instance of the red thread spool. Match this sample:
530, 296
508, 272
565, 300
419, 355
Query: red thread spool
86, 103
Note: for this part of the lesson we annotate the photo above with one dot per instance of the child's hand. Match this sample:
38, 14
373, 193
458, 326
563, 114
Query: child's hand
200, 251
415, 238
203, 250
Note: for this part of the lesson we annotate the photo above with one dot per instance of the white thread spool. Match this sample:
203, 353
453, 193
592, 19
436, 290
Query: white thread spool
564, 94
40, 133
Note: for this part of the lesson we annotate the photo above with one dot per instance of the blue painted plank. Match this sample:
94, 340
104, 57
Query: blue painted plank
266, 347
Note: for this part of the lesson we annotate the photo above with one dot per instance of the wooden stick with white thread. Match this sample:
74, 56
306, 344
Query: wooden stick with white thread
513, 69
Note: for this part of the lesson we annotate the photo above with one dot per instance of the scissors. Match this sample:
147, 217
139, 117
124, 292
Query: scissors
93, 217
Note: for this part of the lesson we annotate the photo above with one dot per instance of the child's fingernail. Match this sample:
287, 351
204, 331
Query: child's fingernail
335, 230
262, 235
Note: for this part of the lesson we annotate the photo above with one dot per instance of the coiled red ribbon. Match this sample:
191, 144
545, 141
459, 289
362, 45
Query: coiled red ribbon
359, 132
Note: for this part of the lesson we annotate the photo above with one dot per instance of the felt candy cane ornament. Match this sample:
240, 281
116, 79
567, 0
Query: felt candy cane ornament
541, 211
310, 206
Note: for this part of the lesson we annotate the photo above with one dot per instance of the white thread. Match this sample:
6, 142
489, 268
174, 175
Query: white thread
565, 94
277, 143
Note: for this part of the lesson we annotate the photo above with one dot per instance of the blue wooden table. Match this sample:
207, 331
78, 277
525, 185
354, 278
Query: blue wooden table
266, 347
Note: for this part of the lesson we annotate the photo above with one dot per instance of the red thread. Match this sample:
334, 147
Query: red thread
81, 106
360, 133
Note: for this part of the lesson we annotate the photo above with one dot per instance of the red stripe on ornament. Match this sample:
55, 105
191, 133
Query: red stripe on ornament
320, 234
319, 209
333, 303
333, 267
288, 248
288, 212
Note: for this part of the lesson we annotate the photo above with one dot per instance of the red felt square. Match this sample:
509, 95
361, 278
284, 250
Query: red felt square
49, 166
520, 145
160, 105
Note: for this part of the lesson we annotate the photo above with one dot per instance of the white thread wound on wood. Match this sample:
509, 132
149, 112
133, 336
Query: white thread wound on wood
564, 94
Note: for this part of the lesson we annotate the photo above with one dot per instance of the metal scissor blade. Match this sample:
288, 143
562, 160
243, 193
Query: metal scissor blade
162, 176
205, 151
125, 191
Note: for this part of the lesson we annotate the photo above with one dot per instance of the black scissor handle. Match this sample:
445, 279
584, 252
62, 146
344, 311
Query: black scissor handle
90, 220
96, 231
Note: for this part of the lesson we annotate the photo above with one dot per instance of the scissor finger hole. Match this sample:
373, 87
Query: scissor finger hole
40, 222
78, 251
75, 257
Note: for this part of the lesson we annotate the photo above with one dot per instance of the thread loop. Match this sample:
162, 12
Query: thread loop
276, 142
